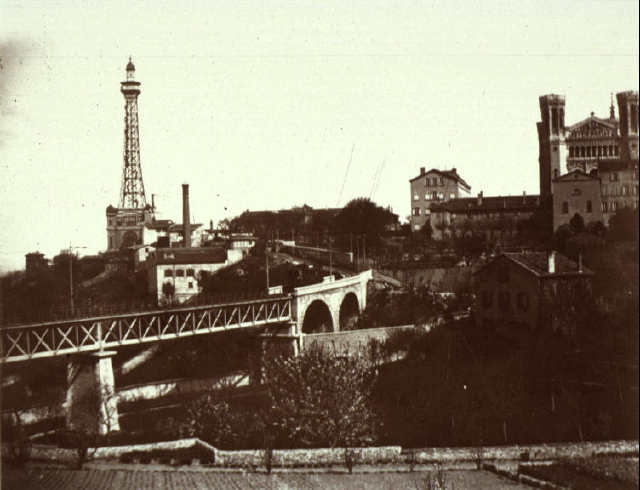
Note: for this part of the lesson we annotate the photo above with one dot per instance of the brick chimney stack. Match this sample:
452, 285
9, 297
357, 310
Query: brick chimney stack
186, 225
422, 169
480, 195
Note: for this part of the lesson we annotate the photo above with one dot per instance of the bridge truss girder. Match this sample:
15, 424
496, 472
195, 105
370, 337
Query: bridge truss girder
52, 339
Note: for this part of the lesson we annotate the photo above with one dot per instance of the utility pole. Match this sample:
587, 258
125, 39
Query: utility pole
330, 258
266, 259
364, 250
71, 305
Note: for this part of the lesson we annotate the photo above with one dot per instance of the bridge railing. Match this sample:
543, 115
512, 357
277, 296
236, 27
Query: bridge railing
19, 343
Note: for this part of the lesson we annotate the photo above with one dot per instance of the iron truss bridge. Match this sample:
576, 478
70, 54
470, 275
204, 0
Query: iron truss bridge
20, 343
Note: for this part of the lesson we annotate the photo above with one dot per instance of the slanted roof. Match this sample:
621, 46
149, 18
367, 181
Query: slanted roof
537, 264
178, 227
195, 255
450, 174
573, 175
509, 204
608, 122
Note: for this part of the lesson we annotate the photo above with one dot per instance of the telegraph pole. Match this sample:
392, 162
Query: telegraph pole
330, 258
266, 260
71, 305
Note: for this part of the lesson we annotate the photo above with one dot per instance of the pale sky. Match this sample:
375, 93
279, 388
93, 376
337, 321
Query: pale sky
257, 105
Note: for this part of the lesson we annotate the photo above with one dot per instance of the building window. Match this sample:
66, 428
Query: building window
504, 300
416, 211
168, 273
616, 149
441, 180
565, 207
523, 301
427, 197
577, 192
604, 207
179, 273
556, 173
190, 284
440, 196
589, 207
434, 196
416, 197
613, 177
452, 195
191, 273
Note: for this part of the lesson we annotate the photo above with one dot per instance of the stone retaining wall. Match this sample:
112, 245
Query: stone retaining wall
366, 455
526, 452
308, 457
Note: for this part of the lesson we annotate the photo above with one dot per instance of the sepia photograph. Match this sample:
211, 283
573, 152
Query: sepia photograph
292, 244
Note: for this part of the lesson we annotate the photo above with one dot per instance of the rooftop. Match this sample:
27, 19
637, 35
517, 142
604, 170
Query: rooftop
195, 255
489, 204
451, 174
538, 263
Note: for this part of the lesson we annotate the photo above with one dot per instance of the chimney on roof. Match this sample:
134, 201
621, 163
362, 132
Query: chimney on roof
422, 170
551, 262
186, 226
454, 170
480, 198
524, 197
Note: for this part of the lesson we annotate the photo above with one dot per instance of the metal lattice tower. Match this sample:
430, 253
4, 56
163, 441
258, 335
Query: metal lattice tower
132, 188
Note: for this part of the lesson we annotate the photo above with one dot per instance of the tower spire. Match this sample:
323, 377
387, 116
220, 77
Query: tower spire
132, 187
612, 109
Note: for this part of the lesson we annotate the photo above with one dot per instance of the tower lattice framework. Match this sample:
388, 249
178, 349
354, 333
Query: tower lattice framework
132, 187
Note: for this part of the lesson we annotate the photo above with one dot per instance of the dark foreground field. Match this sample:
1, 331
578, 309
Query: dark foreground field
148, 478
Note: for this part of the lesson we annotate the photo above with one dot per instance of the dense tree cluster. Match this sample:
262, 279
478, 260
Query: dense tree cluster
318, 399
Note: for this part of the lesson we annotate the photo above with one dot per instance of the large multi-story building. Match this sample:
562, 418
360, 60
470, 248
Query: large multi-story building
495, 217
518, 293
587, 144
434, 187
618, 186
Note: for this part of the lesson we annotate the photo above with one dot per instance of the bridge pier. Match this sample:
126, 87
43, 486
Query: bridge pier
277, 341
91, 404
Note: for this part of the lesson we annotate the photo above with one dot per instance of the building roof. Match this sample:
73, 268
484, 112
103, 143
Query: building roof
573, 175
537, 263
488, 204
610, 123
195, 255
178, 227
450, 174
